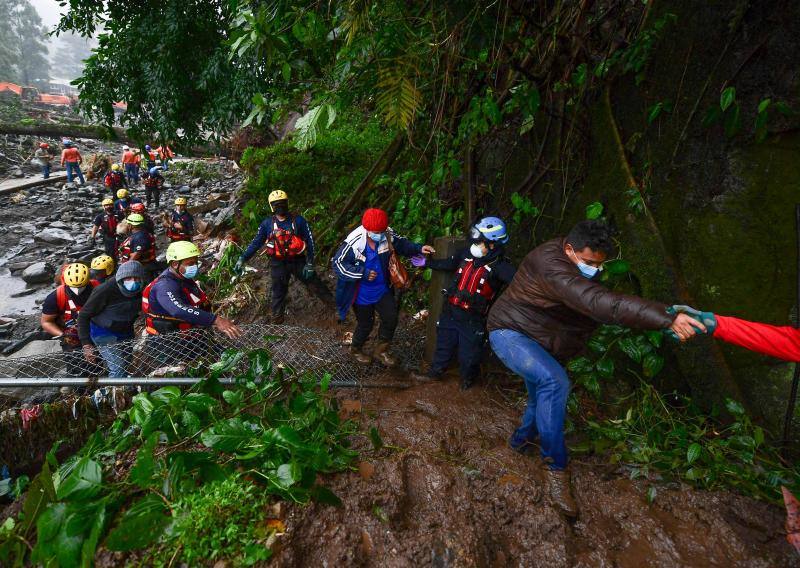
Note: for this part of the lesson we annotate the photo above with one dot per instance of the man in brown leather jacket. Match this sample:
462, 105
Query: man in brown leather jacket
545, 317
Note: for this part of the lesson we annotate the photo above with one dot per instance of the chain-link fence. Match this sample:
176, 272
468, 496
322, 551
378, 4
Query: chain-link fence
148, 360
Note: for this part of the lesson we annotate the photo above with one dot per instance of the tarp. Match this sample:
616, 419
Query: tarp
11, 87
55, 100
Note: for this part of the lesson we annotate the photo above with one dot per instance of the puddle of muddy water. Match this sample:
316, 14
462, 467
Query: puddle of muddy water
22, 306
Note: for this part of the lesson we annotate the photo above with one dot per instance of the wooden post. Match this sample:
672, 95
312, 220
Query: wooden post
445, 247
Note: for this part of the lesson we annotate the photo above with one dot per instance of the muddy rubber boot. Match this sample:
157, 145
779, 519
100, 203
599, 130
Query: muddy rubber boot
359, 355
558, 483
426, 376
383, 356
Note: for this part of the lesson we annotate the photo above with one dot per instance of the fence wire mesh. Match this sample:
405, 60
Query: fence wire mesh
152, 357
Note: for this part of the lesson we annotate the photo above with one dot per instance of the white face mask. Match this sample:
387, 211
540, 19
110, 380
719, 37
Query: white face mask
77, 291
476, 250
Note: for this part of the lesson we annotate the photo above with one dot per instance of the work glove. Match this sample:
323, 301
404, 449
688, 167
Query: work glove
418, 260
308, 271
706, 318
238, 268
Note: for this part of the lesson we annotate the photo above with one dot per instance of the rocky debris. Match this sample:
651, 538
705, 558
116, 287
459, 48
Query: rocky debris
37, 272
18, 173
54, 235
196, 182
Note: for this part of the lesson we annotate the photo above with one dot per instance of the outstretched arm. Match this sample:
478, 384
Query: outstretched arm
782, 342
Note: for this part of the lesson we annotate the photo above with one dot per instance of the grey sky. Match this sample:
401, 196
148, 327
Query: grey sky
49, 11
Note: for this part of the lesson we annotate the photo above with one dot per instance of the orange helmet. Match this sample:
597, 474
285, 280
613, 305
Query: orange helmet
137, 208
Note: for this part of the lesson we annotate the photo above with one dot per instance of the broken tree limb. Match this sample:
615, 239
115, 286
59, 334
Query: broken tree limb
381, 165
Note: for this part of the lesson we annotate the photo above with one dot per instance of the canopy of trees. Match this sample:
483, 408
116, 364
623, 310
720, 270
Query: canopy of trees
23, 49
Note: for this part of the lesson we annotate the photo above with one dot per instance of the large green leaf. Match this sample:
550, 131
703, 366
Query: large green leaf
140, 525
230, 435
83, 483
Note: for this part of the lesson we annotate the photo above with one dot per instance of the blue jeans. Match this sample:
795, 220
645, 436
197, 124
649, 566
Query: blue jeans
46, 170
548, 386
117, 358
132, 173
73, 168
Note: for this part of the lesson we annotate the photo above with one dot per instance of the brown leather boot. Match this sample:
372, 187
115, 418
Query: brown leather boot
558, 483
359, 355
383, 356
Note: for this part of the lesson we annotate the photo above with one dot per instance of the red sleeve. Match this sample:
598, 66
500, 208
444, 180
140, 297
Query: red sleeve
782, 342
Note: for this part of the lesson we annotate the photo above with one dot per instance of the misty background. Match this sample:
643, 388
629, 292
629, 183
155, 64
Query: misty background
29, 56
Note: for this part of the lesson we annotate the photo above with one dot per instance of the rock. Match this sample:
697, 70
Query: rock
37, 272
17, 266
39, 347
18, 173
54, 236
184, 190
196, 182
69, 186
59, 225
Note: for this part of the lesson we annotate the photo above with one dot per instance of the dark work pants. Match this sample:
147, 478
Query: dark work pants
282, 272
462, 335
152, 194
365, 319
110, 246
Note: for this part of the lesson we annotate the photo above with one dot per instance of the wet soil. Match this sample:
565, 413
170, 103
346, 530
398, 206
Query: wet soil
447, 491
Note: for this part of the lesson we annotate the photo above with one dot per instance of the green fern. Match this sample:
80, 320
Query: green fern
398, 98
356, 19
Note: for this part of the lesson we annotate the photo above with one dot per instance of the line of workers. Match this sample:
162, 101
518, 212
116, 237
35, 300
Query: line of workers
133, 160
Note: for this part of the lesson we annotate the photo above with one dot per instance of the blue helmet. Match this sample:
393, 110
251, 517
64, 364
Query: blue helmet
491, 229
154, 170
67, 142
147, 147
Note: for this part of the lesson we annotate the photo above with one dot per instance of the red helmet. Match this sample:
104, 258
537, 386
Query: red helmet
137, 208
375, 220
44, 145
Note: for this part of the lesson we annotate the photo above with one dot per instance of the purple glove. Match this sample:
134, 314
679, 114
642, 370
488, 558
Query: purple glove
418, 260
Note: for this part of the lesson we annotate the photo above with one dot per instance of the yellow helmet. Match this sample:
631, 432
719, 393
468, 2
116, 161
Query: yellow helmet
122, 194
134, 220
181, 250
116, 167
108, 201
180, 201
103, 262
75, 275
277, 195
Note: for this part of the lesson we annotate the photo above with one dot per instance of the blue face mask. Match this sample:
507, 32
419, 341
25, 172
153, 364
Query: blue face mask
587, 270
132, 285
377, 237
190, 272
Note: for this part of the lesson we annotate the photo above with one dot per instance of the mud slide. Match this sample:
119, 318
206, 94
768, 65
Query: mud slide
446, 491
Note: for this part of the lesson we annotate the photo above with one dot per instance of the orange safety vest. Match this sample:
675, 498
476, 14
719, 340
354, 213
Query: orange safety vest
193, 300
125, 251
283, 243
68, 313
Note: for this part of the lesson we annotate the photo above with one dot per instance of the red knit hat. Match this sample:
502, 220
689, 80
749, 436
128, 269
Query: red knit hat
375, 220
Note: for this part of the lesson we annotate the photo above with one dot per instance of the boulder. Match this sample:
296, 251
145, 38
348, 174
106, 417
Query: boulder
196, 182
38, 272
184, 190
69, 186
54, 236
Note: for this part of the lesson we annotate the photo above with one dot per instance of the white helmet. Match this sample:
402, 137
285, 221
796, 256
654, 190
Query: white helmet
126, 148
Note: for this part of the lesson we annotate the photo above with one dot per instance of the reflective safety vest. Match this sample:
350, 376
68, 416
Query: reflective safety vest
153, 182
109, 225
114, 180
68, 314
165, 322
471, 288
282, 243
148, 255
179, 235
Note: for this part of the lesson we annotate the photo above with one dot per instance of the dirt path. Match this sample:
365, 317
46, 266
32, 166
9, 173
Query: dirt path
446, 491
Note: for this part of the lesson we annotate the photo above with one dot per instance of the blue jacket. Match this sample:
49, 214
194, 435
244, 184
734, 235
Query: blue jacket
168, 296
348, 263
301, 229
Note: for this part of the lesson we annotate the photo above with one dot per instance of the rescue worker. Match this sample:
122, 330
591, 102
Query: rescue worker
101, 268
60, 316
122, 206
481, 273
175, 302
362, 266
114, 180
140, 245
106, 223
148, 158
149, 224
288, 242
108, 316
181, 226
545, 318
44, 158
72, 160
153, 181
165, 154
129, 163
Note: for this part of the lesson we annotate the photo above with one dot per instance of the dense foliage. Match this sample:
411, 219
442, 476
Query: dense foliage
23, 49
211, 449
